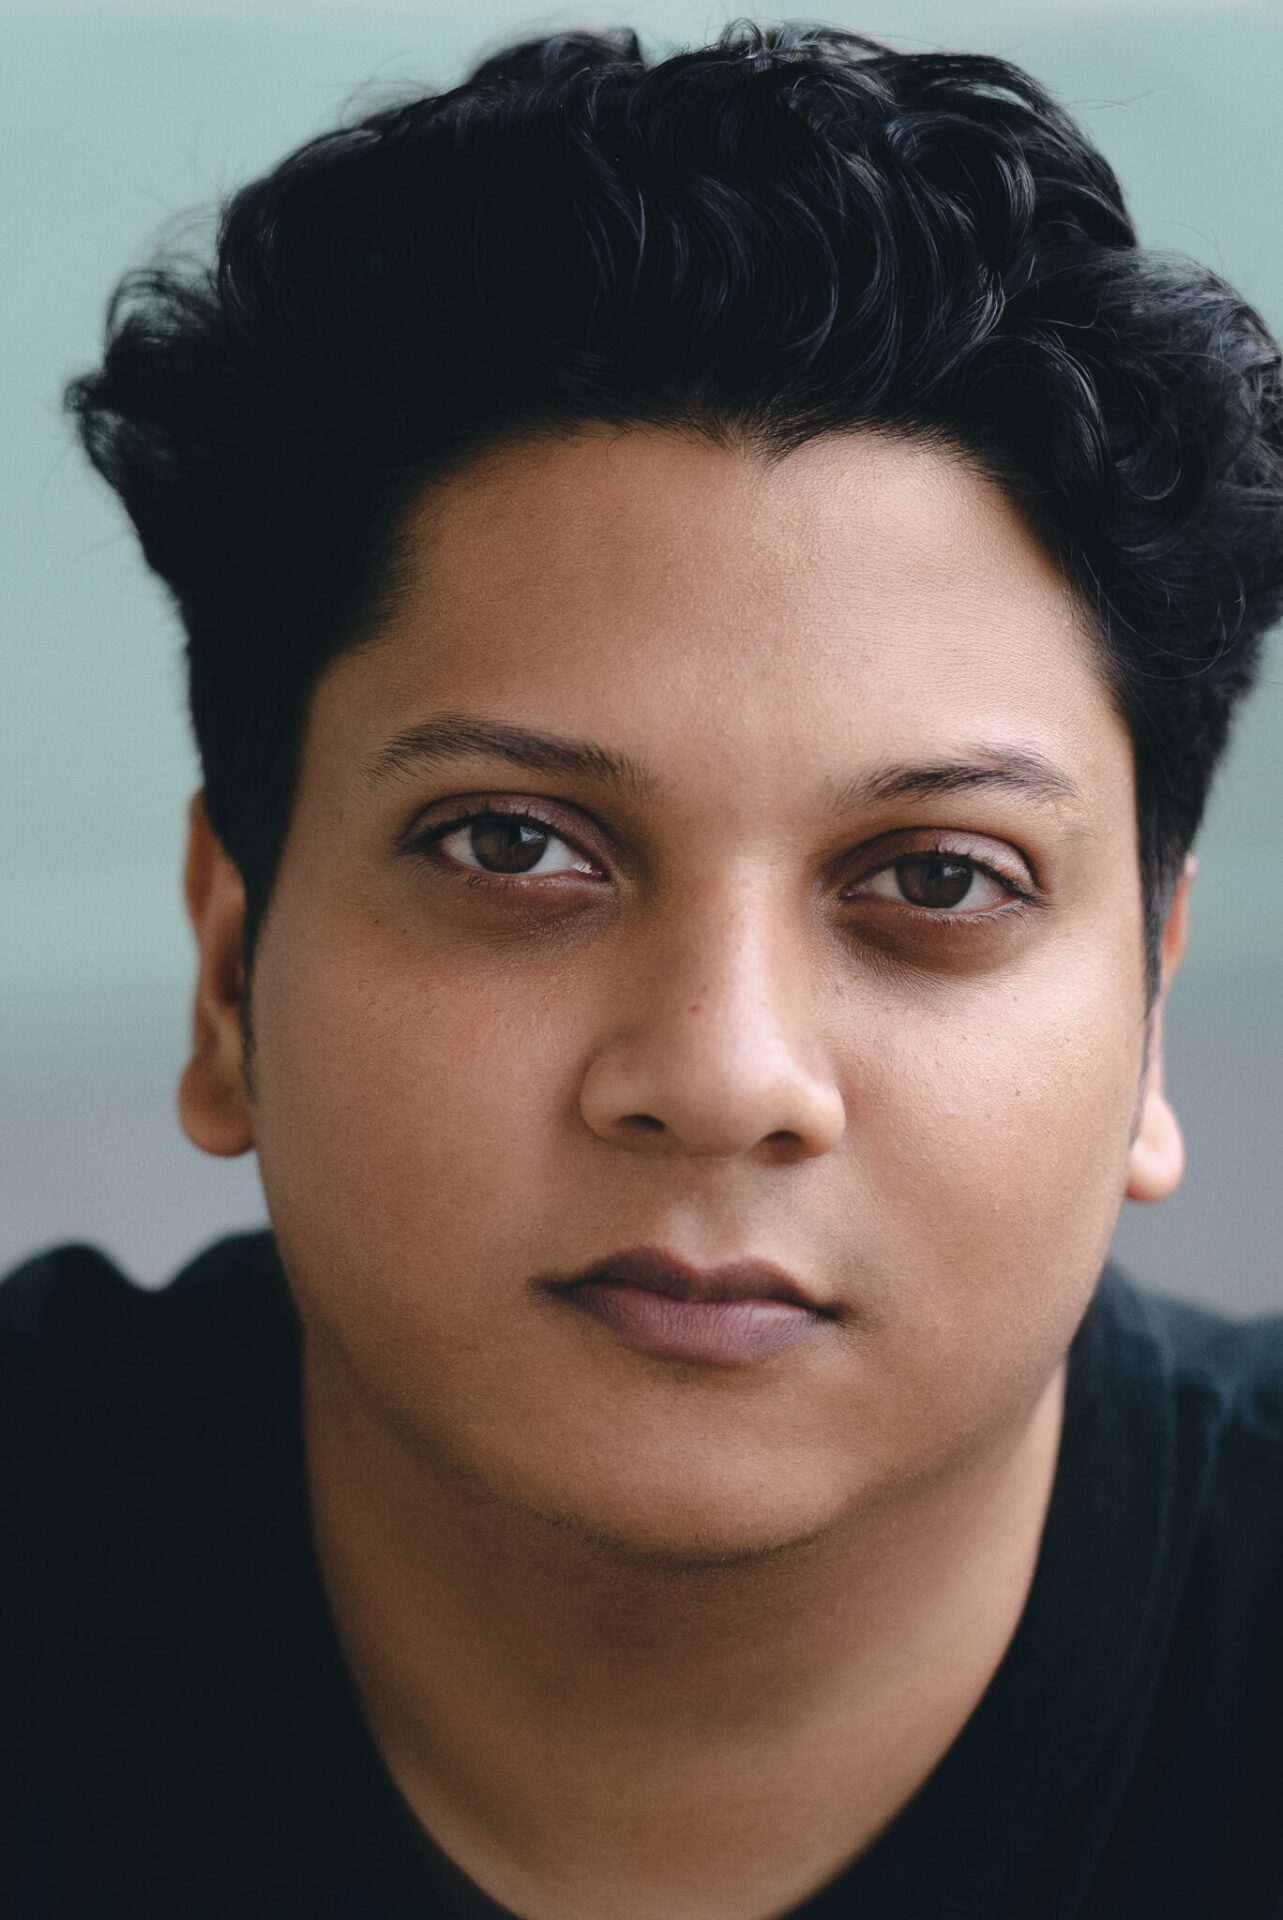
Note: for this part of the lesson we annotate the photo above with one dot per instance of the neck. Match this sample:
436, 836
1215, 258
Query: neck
584, 1731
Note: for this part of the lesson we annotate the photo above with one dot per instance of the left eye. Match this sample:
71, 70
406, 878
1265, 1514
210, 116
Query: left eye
508, 843
941, 882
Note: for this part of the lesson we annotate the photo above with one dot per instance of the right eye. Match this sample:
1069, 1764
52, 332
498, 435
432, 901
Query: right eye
498, 843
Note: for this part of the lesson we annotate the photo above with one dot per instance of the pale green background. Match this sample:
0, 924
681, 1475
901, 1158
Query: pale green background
116, 119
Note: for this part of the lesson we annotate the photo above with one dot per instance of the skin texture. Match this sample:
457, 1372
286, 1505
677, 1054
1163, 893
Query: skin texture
638, 1635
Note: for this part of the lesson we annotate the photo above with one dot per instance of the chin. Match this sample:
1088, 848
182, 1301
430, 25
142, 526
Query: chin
685, 1528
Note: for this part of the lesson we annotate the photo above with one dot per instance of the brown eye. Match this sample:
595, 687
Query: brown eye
506, 843
939, 883
934, 880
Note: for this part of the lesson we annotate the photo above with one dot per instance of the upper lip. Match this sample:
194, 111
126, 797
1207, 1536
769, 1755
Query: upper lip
662, 1272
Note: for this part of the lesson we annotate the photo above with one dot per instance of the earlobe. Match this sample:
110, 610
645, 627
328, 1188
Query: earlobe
1156, 1159
213, 1101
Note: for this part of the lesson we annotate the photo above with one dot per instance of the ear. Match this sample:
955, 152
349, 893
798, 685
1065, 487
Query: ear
1156, 1160
213, 1100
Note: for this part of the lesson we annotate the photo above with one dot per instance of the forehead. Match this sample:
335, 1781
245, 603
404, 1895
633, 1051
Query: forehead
650, 588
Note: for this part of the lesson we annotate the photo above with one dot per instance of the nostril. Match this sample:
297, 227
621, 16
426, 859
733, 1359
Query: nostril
643, 1123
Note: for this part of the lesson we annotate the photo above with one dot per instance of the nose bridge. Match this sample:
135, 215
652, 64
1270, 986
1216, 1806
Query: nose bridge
717, 1048
732, 962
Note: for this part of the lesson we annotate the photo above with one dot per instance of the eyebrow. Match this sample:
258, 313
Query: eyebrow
448, 737
1020, 770
463, 736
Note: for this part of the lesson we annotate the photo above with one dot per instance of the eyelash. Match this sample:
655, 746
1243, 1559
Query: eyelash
424, 844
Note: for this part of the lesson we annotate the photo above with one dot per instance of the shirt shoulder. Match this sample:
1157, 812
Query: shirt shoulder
67, 1297
53, 1293
1214, 1387
98, 1372
1232, 1369
144, 1434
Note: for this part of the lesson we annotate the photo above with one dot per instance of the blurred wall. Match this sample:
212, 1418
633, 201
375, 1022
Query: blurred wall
116, 119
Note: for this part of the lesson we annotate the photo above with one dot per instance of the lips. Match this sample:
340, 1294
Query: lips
741, 1311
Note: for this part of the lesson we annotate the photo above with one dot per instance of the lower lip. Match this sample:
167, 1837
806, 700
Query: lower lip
722, 1332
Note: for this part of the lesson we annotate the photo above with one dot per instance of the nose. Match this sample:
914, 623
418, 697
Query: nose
713, 1053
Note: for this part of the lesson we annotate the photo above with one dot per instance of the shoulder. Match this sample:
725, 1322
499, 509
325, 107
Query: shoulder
94, 1366
59, 1300
47, 1295
1231, 1368
1213, 1389
129, 1415
141, 1433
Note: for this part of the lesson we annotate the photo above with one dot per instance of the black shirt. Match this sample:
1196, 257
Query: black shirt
180, 1738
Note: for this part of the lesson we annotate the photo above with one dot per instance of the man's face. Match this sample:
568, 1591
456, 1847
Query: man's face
849, 979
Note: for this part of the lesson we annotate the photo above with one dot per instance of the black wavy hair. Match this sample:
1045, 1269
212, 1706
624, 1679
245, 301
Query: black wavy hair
791, 231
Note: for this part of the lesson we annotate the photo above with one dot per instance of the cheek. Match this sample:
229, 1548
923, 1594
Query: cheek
409, 1108
1000, 1178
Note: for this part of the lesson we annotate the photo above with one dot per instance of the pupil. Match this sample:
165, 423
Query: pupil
508, 845
934, 880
